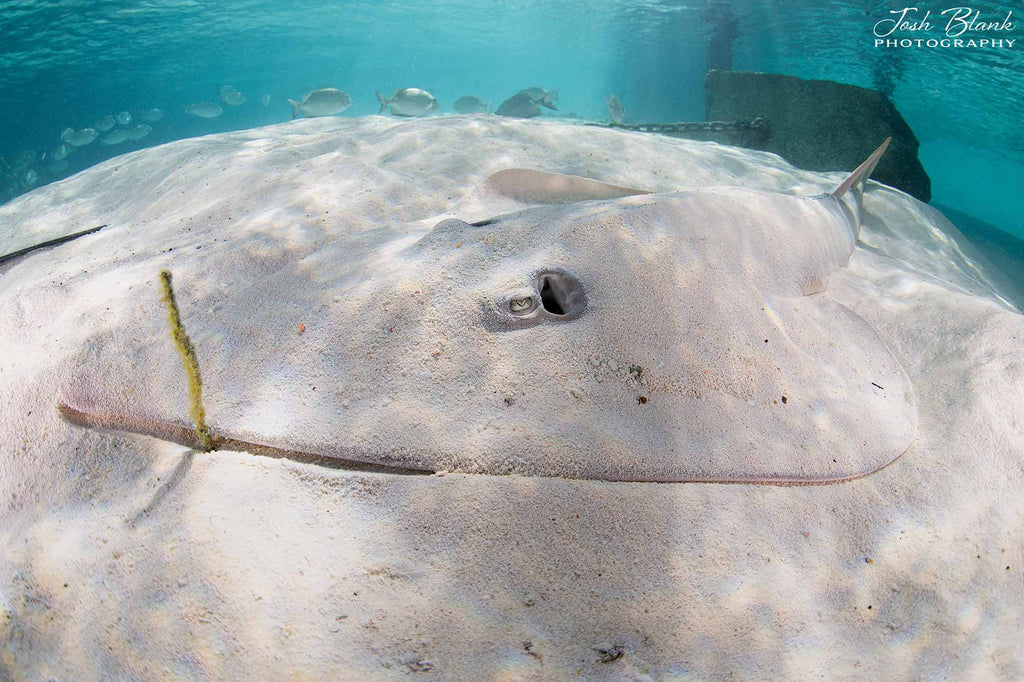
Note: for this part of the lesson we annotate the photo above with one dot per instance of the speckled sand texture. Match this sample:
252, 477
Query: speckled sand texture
122, 555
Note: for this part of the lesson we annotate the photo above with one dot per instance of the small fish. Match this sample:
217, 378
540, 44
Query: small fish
124, 118
106, 123
471, 105
139, 132
31, 178
545, 98
408, 102
60, 153
153, 115
204, 110
57, 166
235, 99
322, 102
231, 96
615, 110
114, 137
265, 100
79, 138
519, 106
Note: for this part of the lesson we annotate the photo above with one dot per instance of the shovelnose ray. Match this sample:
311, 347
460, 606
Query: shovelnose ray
558, 326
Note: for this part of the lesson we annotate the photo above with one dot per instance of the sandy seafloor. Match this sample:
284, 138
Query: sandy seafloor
127, 557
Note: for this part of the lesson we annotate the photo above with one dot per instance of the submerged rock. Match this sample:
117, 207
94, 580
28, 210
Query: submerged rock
822, 125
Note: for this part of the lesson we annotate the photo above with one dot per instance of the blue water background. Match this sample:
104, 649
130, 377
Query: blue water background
68, 63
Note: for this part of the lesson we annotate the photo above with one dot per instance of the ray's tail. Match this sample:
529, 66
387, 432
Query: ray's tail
855, 181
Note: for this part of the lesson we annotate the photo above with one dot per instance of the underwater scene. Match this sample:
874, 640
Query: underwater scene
519, 340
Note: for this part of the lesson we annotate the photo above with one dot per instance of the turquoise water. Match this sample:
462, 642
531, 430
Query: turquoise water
69, 63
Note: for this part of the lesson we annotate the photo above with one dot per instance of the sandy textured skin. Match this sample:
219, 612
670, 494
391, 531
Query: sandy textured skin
129, 556
683, 341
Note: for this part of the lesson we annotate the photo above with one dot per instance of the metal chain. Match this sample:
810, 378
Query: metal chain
690, 127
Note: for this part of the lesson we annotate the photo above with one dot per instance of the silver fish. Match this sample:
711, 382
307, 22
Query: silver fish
114, 137
323, 102
265, 100
231, 96
139, 132
106, 123
616, 112
471, 105
79, 138
124, 118
545, 98
153, 115
204, 110
519, 106
408, 102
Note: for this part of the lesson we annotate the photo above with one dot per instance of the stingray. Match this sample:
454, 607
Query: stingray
547, 325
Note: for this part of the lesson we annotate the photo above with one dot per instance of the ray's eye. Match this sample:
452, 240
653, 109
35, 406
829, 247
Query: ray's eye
521, 305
